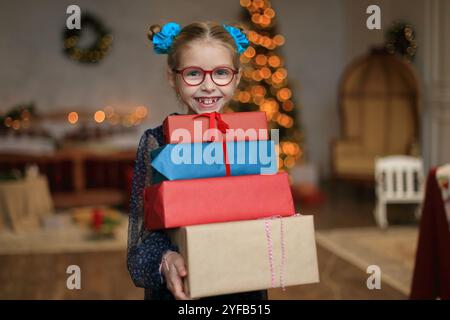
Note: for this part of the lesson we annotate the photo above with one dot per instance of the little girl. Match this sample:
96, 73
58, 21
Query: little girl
204, 70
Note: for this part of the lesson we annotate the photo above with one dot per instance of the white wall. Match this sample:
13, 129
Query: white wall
437, 81
315, 55
322, 36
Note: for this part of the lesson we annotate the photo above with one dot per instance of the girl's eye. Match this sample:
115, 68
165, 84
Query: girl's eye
222, 72
193, 73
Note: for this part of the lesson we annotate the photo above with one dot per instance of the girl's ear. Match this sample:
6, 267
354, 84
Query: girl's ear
171, 77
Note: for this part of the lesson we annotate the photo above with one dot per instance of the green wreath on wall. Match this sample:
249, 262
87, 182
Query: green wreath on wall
400, 39
97, 50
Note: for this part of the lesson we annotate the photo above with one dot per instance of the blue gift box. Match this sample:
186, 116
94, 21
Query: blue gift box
206, 160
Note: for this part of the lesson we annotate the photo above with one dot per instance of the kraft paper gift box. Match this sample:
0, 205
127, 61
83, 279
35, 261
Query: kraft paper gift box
179, 203
196, 125
207, 160
233, 257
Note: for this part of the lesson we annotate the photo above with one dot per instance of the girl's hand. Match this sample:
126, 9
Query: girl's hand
174, 271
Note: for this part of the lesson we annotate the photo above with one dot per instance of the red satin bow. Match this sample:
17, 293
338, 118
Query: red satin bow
222, 126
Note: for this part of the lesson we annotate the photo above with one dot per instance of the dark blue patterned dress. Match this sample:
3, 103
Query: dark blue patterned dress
145, 248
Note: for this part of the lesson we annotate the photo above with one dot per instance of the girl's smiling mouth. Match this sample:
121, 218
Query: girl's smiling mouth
207, 102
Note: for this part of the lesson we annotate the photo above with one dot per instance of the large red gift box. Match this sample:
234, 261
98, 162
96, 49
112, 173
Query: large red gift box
256, 121
180, 203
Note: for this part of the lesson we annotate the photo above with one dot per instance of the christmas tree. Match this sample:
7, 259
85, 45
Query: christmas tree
264, 84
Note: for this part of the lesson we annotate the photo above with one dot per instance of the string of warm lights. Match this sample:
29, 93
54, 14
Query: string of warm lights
264, 83
16, 124
111, 116
21, 117
18, 117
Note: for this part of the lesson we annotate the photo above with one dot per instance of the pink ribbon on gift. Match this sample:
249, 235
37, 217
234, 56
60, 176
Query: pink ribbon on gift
268, 230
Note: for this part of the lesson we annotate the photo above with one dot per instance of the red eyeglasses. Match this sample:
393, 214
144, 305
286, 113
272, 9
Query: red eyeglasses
194, 76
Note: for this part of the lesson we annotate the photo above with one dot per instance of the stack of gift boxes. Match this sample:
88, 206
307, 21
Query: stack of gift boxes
216, 190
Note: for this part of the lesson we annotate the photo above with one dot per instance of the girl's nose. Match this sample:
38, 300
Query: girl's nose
208, 85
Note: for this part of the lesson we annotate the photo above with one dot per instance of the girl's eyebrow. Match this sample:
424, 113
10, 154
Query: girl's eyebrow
222, 65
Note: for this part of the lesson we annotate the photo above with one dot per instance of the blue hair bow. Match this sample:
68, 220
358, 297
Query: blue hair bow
239, 37
162, 41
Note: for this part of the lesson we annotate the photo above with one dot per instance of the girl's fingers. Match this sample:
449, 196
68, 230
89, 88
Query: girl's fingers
177, 285
181, 268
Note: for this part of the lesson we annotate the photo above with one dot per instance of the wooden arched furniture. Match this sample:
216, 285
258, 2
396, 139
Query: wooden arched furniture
378, 105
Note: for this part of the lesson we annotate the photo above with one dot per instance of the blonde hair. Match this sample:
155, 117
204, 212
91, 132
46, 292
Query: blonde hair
209, 31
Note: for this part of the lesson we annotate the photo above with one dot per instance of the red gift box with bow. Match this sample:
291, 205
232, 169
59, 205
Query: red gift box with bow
192, 128
179, 203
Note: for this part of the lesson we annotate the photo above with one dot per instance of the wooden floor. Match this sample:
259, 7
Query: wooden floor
351, 206
104, 274
338, 280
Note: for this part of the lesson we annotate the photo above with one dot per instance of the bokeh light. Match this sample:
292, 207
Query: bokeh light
72, 117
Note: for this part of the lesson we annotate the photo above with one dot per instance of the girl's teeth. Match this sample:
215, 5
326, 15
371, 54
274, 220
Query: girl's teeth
208, 101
